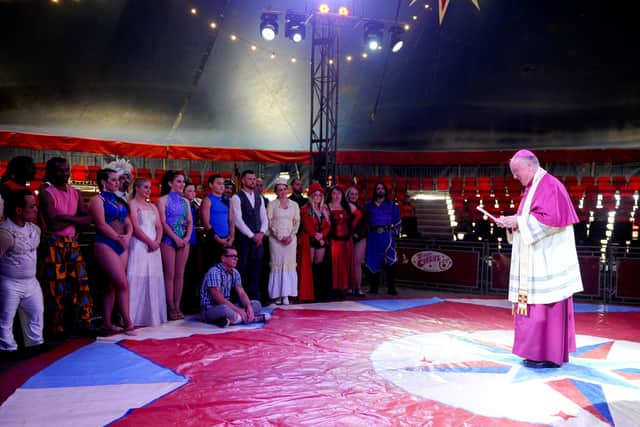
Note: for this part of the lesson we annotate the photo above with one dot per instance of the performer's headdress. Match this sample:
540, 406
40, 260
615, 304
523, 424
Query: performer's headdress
121, 166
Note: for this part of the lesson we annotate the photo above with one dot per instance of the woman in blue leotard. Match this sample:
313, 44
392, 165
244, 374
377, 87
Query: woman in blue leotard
113, 232
177, 224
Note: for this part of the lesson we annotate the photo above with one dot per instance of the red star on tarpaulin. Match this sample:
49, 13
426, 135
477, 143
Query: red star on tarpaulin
564, 416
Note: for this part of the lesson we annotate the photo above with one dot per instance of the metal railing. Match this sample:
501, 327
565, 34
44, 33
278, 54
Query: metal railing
600, 275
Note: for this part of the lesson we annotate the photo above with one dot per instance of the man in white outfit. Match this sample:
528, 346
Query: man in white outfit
19, 289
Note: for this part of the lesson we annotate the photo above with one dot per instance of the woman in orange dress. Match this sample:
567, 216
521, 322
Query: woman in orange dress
314, 217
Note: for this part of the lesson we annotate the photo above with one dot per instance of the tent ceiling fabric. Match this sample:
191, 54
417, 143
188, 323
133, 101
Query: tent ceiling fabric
531, 73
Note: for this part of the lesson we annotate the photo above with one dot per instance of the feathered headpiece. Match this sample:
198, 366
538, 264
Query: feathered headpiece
121, 166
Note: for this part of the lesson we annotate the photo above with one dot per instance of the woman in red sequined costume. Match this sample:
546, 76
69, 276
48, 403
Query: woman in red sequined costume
341, 243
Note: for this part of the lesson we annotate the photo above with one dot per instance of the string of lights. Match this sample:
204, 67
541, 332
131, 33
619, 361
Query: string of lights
295, 30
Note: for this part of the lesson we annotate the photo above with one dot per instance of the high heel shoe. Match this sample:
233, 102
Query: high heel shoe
130, 330
174, 315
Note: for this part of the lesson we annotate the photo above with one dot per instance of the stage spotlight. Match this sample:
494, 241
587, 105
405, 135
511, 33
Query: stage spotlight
269, 26
324, 8
343, 11
373, 33
395, 33
294, 28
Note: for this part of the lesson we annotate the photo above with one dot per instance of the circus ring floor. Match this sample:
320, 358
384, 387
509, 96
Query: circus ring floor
400, 362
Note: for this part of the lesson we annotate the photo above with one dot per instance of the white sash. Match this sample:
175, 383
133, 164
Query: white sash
524, 248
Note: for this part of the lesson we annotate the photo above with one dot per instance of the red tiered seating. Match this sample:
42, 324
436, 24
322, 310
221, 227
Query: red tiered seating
345, 180
92, 173
360, 181
484, 187
607, 190
195, 177
40, 171
155, 189
427, 183
143, 173
484, 183
456, 185
159, 173
603, 180
619, 181
588, 182
79, 173
413, 183
401, 184
570, 180
470, 186
634, 182
34, 185
442, 183
499, 185
388, 181
369, 187
512, 185
3, 166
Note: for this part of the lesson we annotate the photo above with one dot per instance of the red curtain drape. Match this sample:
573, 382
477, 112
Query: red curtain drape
409, 158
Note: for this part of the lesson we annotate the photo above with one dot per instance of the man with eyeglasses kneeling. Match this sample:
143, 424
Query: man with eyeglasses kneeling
216, 305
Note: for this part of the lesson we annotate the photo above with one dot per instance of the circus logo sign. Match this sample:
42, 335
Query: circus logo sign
431, 261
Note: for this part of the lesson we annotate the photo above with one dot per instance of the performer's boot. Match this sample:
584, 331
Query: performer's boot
319, 283
391, 283
375, 282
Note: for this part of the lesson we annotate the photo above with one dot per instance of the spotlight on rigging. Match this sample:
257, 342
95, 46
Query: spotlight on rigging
373, 33
395, 33
269, 25
294, 28
324, 8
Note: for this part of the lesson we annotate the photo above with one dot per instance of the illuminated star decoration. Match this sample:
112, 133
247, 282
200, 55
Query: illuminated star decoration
444, 4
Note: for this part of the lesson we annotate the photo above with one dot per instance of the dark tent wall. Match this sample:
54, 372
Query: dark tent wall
540, 74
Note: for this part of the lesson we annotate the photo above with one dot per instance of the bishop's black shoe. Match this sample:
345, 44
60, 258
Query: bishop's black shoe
539, 364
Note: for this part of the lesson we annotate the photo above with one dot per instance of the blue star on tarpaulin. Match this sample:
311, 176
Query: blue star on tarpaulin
580, 368
581, 377
587, 395
502, 361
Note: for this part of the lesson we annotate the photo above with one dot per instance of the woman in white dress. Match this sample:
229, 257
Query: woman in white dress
284, 219
144, 270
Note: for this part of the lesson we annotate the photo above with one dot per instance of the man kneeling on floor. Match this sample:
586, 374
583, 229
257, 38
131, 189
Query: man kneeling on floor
215, 294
